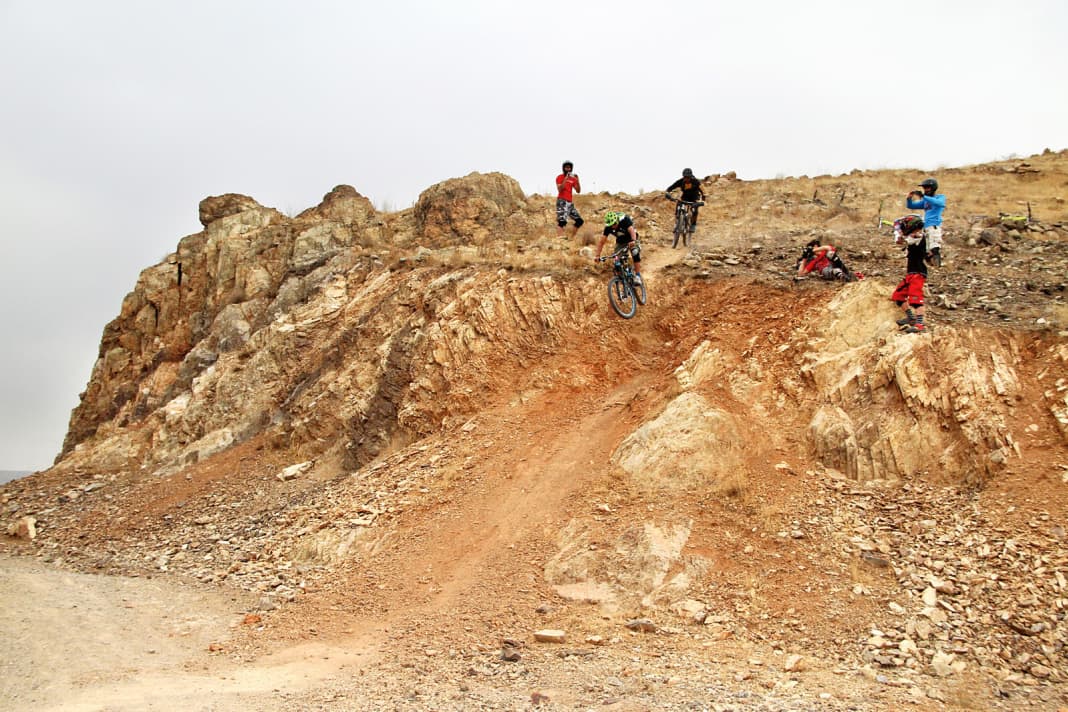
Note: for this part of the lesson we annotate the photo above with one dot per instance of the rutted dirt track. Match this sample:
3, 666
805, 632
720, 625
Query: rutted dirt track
648, 487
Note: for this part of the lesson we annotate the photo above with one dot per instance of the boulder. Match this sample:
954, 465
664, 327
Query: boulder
215, 207
469, 209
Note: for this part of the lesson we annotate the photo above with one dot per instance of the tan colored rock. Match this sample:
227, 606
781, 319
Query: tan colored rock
691, 443
469, 209
885, 407
550, 635
220, 206
293, 471
23, 528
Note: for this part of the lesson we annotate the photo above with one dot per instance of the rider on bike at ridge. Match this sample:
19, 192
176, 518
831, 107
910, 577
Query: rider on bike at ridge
691, 192
621, 226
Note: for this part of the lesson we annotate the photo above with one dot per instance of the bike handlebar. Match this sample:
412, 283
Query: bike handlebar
618, 253
698, 203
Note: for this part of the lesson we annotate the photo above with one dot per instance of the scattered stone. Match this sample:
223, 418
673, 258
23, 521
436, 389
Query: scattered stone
23, 528
550, 635
942, 664
293, 471
642, 625
1040, 671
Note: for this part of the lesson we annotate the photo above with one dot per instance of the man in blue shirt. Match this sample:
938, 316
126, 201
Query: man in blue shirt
932, 206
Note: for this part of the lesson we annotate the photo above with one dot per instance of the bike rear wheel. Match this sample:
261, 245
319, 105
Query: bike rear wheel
622, 298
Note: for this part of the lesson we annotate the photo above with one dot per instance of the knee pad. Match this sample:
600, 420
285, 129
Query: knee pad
561, 223
578, 223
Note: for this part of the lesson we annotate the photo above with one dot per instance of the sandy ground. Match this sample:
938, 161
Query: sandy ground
77, 642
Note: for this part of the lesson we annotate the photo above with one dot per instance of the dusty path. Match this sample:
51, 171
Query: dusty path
77, 642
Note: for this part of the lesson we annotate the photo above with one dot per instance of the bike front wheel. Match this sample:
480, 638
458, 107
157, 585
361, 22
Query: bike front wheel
686, 223
680, 231
622, 298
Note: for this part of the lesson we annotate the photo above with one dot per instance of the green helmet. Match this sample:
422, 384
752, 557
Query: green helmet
612, 218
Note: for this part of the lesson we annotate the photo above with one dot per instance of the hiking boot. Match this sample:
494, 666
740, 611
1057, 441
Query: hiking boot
906, 321
915, 329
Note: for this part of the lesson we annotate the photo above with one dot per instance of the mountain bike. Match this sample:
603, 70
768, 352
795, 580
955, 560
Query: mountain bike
685, 213
624, 293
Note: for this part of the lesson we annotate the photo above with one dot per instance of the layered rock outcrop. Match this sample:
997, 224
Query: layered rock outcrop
218, 288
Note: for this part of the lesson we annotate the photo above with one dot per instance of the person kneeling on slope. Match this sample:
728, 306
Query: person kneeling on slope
825, 262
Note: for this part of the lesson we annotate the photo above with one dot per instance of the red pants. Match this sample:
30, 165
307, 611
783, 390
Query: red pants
910, 290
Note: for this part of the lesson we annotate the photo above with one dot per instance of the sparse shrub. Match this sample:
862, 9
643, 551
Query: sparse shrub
732, 484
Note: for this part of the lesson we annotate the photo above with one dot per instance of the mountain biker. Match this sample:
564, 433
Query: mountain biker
933, 206
909, 293
621, 226
566, 183
691, 192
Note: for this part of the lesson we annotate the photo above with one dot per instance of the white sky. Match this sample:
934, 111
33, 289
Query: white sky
117, 117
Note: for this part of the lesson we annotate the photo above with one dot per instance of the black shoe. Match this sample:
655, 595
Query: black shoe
917, 329
907, 321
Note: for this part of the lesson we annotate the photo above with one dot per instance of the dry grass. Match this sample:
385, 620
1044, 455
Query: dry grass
966, 697
555, 257
734, 484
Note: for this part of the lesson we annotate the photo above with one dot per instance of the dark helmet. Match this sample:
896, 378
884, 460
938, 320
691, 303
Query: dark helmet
930, 183
567, 166
687, 173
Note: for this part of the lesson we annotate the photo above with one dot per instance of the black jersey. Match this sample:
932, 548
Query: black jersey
915, 256
691, 188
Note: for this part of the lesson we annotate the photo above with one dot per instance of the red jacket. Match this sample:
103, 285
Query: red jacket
564, 186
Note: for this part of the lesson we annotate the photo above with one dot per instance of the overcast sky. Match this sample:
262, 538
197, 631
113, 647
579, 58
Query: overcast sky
119, 117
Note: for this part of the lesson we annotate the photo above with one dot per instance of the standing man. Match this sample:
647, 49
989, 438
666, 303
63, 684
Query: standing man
932, 206
566, 184
691, 193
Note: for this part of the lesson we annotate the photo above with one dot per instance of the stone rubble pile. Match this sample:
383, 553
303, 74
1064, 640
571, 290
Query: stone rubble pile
972, 593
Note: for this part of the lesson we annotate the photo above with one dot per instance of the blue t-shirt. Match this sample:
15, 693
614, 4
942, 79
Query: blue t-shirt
933, 207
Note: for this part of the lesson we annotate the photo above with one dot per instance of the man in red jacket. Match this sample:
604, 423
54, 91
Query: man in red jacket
566, 184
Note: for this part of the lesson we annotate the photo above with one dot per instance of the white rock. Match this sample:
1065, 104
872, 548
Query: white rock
550, 635
293, 471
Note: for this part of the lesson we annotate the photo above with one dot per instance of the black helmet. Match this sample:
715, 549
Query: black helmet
566, 165
930, 183
688, 173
